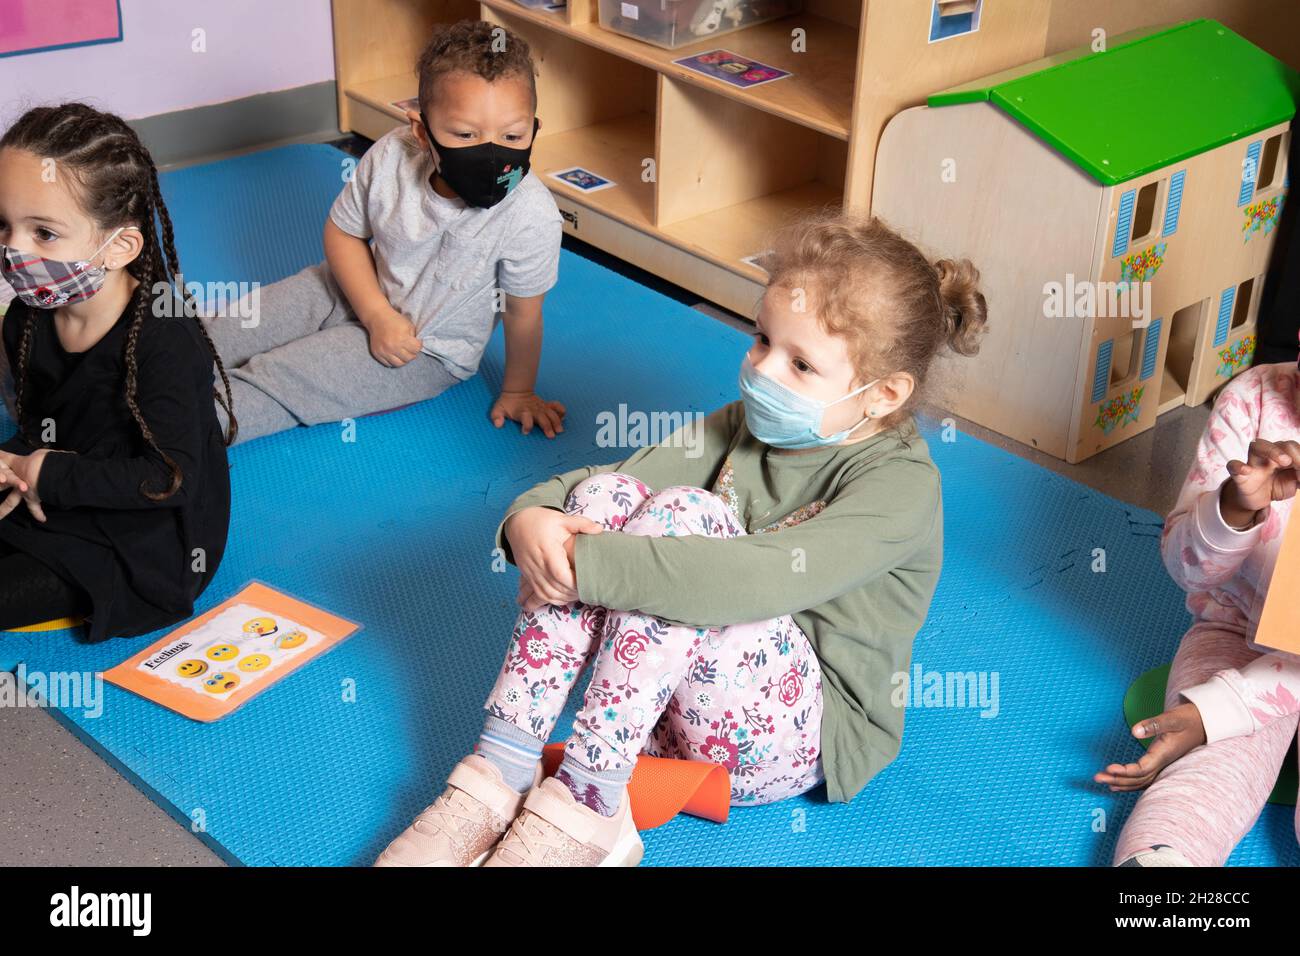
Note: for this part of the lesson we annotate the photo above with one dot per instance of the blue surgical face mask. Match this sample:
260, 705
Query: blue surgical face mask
785, 419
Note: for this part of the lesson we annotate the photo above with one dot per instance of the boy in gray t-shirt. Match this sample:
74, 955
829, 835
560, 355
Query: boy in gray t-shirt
441, 230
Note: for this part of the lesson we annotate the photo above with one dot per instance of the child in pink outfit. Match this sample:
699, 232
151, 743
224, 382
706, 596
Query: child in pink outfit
1241, 700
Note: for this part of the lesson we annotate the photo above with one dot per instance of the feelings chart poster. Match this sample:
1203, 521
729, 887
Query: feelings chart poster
214, 664
30, 26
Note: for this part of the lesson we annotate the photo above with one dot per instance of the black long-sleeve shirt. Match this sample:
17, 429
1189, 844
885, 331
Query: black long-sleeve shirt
142, 562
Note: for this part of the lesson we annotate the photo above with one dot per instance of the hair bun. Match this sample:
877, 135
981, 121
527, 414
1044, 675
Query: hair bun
963, 304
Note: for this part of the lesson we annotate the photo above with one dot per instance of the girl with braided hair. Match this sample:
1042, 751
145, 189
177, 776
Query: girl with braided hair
115, 491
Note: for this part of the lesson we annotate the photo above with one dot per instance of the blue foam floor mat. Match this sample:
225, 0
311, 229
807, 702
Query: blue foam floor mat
395, 529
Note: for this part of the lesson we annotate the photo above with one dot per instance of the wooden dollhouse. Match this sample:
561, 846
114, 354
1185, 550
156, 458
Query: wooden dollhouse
1121, 208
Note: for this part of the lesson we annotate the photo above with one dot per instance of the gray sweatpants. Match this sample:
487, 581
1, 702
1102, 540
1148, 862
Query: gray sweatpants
306, 360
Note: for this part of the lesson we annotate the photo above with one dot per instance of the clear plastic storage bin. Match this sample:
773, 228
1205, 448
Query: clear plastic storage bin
674, 23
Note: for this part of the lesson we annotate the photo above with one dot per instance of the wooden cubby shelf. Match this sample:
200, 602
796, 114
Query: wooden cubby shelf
622, 144
818, 94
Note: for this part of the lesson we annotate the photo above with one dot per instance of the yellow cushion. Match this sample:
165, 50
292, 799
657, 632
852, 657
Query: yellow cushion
61, 624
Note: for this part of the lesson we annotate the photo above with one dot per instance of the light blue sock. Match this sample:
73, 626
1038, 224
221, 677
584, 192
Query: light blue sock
514, 751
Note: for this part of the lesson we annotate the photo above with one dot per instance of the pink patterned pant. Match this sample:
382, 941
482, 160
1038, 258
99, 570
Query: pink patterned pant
748, 696
1202, 804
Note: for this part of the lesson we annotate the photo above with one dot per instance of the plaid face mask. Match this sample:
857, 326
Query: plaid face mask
48, 283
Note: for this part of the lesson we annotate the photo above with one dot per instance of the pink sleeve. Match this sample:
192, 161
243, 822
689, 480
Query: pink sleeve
1200, 550
1237, 702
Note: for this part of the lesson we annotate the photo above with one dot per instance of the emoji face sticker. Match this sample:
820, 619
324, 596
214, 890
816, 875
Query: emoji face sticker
191, 668
261, 627
220, 682
290, 640
222, 652
254, 662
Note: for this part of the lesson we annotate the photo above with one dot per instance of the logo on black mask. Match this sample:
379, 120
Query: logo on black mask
482, 175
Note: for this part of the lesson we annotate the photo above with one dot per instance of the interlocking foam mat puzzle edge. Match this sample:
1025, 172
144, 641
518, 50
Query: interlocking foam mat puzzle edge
394, 530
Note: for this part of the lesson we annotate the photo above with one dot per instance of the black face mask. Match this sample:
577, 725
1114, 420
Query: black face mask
482, 175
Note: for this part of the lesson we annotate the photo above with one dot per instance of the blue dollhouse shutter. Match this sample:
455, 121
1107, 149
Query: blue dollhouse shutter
1225, 315
1151, 348
1125, 223
944, 25
1175, 203
1249, 172
1102, 375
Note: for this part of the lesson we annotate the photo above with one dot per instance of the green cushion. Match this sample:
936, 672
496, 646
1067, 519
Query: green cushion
1146, 698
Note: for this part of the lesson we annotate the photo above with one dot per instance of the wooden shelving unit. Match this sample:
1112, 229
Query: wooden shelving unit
706, 171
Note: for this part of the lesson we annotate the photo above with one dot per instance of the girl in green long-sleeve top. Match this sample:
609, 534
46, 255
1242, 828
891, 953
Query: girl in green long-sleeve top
757, 624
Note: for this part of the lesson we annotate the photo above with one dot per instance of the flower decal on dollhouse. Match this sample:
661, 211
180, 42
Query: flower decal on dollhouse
1262, 215
1141, 266
1120, 410
1236, 357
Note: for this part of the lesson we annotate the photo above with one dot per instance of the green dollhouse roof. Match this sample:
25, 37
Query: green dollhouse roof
1147, 103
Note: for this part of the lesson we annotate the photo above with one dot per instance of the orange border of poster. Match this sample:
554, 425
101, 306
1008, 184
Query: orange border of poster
128, 676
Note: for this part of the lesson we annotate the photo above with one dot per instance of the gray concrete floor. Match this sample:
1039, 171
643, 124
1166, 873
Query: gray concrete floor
60, 804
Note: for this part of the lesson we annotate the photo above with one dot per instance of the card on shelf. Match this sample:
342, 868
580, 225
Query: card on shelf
582, 179
732, 68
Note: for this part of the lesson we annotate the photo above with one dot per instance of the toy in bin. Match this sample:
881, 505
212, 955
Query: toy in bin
674, 23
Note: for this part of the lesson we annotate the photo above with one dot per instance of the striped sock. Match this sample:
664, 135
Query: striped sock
514, 751
600, 790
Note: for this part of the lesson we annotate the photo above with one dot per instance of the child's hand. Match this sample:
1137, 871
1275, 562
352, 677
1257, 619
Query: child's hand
528, 409
1177, 732
541, 539
393, 341
18, 475
1268, 475
529, 599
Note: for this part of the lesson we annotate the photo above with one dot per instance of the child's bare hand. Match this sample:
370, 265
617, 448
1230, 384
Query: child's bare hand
1267, 475
18, 477
1177, 732
528, 409
529, 599
12, 487
540, 539
393, 341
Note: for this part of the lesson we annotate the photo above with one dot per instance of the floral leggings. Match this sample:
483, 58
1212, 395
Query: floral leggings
747, 696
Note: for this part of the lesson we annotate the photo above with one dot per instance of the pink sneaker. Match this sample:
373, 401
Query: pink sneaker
462, 826
554, 829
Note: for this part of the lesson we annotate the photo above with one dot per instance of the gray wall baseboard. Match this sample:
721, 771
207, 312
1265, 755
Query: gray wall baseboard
302, 114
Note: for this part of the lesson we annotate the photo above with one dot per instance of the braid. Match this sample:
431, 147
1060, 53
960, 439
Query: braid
20, 378
132, 337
